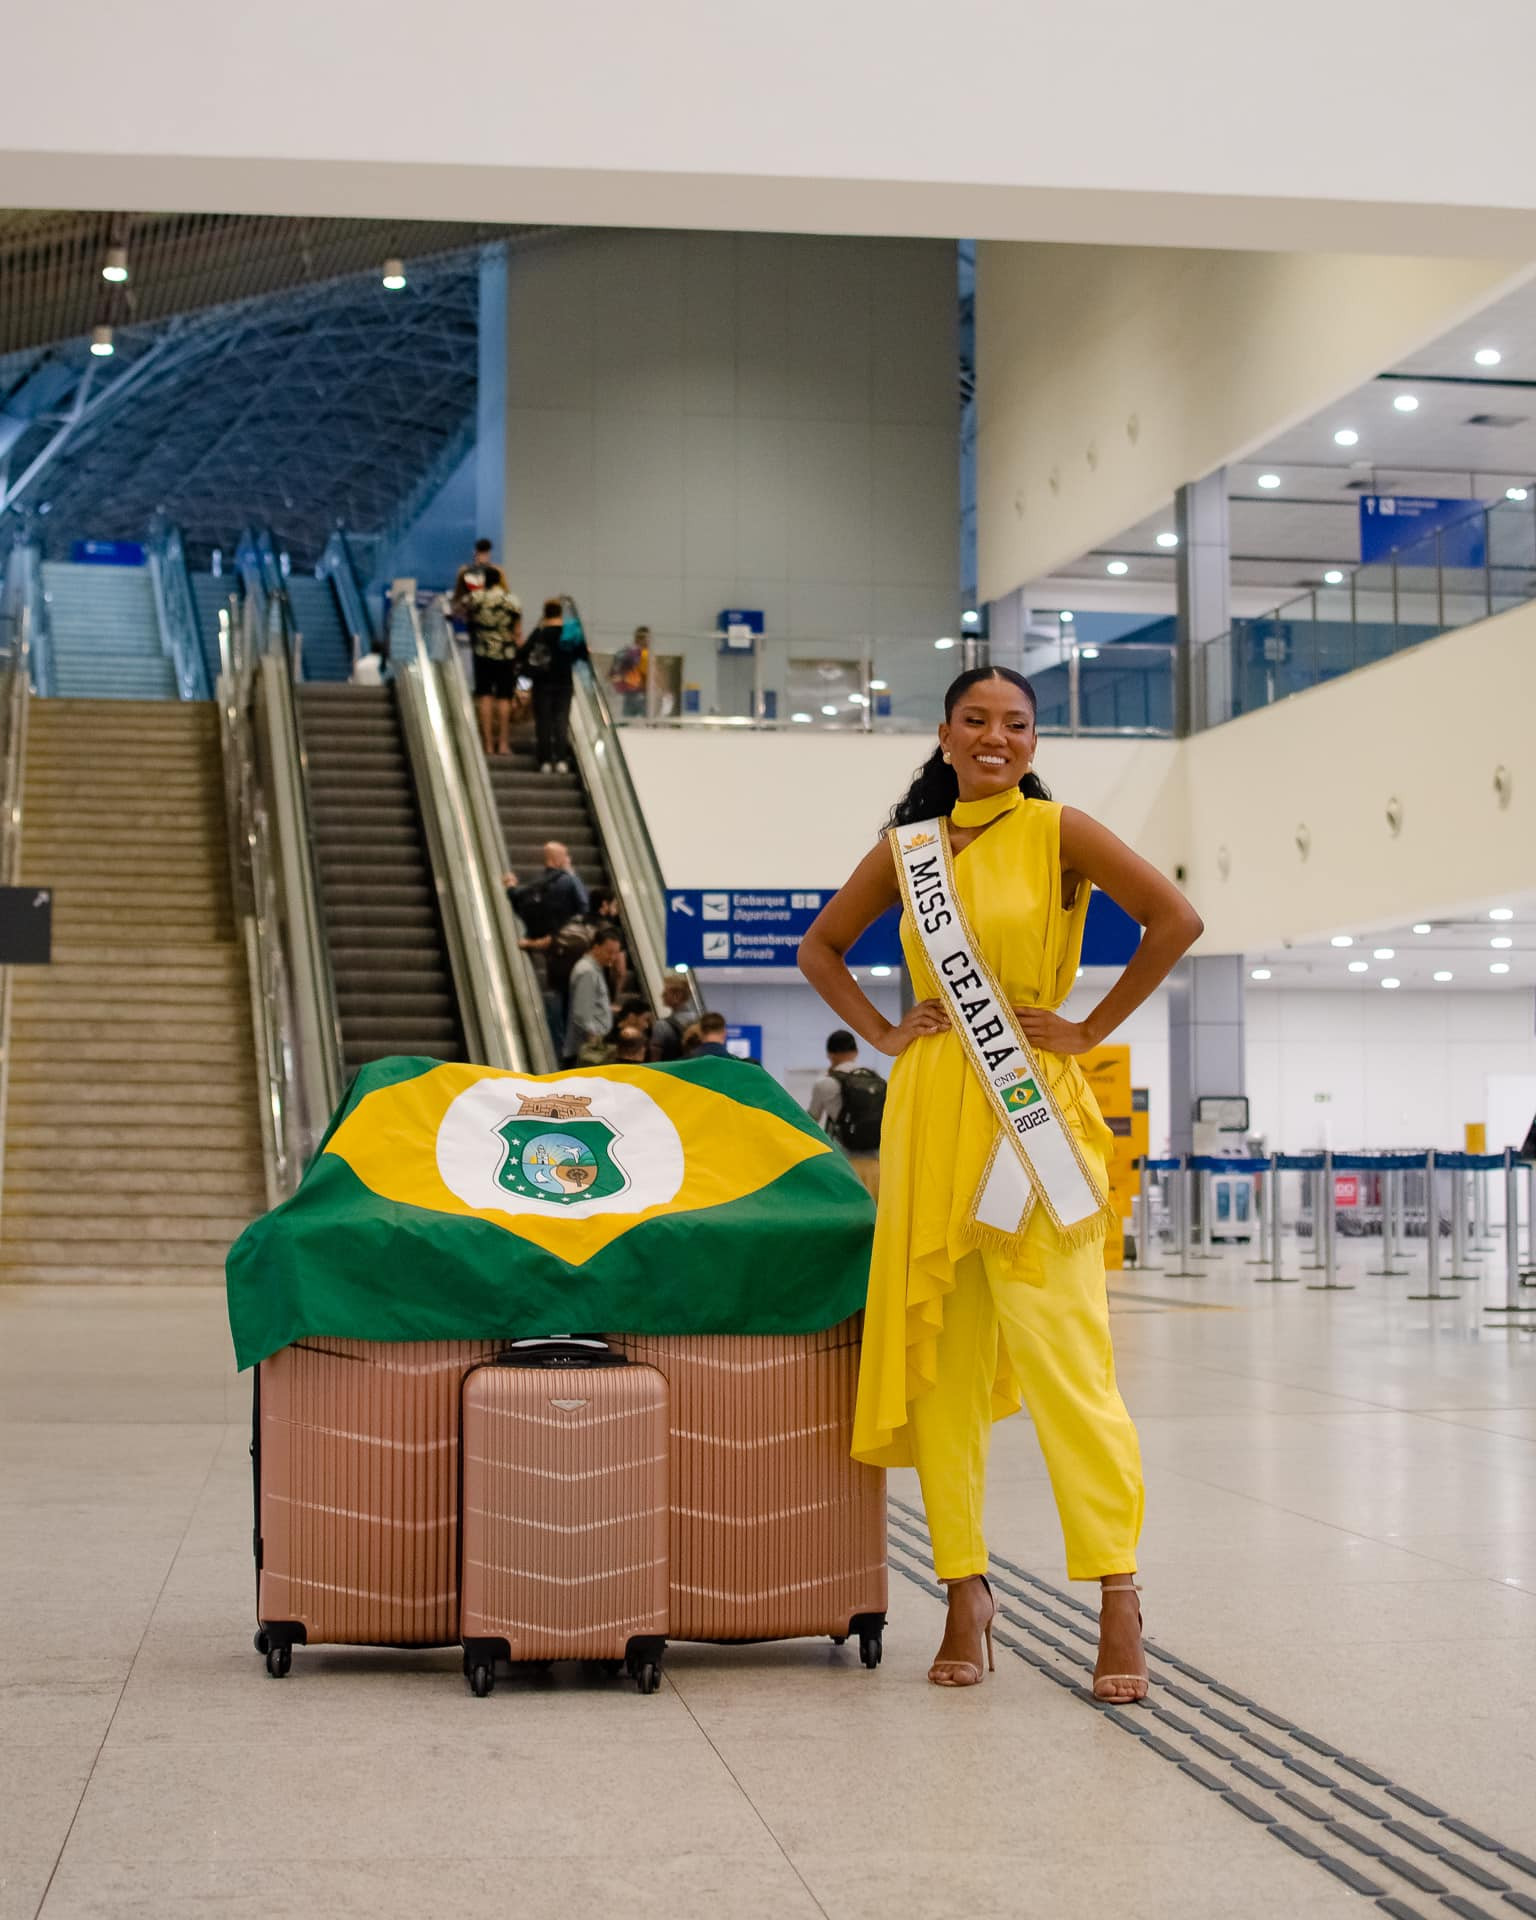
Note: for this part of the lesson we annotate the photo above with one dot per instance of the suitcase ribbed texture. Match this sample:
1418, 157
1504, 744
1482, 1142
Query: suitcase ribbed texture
565, 1509
776, 1531
359, 1489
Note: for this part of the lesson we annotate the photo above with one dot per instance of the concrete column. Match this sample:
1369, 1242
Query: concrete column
1205, 1037
491, 402
1205, 573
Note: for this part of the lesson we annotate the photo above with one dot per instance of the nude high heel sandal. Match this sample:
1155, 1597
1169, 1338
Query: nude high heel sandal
966, 1673
1108, 1686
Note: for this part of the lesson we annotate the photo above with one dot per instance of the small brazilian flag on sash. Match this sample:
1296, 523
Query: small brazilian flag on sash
465, 1203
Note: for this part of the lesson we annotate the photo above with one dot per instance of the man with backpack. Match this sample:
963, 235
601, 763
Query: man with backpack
548, 659
849, 1101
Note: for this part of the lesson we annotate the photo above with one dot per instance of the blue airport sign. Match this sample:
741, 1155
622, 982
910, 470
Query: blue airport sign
1390, 522
745, 1043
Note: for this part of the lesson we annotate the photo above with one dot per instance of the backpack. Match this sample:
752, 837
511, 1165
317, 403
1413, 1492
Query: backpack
857, 1126
566, 947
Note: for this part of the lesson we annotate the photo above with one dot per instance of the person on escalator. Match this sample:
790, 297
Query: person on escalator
547, 660
546, 904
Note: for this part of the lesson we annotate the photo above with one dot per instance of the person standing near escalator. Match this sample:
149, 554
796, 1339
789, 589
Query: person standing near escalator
548, 660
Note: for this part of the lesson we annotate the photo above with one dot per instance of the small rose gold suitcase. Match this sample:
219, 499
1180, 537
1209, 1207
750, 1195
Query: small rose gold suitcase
356, 1451
776, 1531
564, 1507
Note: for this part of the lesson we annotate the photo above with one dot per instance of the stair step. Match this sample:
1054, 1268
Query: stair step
196, 1055
110, 1259
44, 1170
83, 1211
121, 1138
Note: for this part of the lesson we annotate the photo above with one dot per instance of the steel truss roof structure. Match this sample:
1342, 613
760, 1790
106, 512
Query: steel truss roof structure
342, 402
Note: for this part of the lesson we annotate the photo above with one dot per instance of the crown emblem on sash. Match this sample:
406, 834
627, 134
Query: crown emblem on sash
921, 840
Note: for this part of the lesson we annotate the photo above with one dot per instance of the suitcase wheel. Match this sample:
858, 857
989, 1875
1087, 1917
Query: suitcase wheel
648, 1677
279, 1660
839, 1639
482, 1678
262, 1643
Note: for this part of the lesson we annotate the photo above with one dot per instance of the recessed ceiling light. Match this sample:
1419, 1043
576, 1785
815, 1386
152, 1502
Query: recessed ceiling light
801, 719
879, 686
1487, 356
101, 342
1260, 973
681, 967
1117, 567
943, 645
1359, 966
1391, 982
115, 267
1269, 481
880, 973
1066, 618
1499, 966
970, 618
1501, 913
1343, 940
1422, 926
1517, 493
1443, 975
1384, 953
394, 275
1333, 578
830, 712
1346, 437
1501, 940
1088, 653
1167, 539
1406, 403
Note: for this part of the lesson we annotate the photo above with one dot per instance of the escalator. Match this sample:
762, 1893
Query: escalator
394, 984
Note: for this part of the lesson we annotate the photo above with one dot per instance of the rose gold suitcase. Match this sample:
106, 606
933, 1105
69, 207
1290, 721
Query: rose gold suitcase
776, 1532
356, 1451
564, 1511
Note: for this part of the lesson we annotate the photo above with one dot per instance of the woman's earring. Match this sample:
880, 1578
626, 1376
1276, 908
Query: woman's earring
946, 756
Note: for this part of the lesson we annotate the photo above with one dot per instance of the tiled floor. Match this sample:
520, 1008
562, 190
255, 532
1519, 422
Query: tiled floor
1341, 1524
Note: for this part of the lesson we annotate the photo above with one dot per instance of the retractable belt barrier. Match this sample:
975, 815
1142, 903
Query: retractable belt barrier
1391, 1168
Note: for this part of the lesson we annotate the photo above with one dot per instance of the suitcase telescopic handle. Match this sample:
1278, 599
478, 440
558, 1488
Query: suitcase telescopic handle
561, 1350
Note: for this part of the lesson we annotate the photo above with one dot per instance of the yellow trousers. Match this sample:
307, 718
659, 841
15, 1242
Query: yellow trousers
1057, 1338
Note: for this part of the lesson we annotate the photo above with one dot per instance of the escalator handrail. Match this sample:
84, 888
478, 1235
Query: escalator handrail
177, 610
25, 590
628, 850
467, 894
435, 640
337, 564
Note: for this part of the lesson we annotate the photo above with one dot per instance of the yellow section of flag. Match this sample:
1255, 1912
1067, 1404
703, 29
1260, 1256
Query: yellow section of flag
568, 1161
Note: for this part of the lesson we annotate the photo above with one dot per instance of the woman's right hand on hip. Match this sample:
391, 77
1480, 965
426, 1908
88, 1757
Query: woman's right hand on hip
927, 1019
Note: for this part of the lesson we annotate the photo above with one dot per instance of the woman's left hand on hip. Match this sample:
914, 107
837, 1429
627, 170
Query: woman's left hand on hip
1051, 1033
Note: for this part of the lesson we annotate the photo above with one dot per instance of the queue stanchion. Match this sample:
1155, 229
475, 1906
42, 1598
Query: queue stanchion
1460, 1166
1327, 1228
1391, 1210
1180, 1188
1432, 1234
1512, 1281
1273, 1223
1206, 1250
1263, 1197
1311, 1178
1482, 1238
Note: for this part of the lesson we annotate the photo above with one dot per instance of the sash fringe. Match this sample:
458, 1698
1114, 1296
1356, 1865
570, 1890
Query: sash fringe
1086, 1233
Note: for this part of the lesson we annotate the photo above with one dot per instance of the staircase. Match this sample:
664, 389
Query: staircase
394, 983
132, 1151
105, 634
327, 652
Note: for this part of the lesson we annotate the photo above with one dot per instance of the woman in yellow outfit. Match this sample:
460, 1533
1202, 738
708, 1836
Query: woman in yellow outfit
967, 1320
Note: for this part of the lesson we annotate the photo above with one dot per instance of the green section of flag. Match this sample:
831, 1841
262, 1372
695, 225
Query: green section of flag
340, 1260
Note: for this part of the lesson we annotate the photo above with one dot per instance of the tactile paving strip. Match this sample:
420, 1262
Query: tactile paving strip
1428, 1861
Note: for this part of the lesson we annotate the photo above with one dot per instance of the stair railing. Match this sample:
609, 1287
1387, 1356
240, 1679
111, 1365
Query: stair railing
15, 692
477, 921
176, 610
627, 847
293, 1000
24, 589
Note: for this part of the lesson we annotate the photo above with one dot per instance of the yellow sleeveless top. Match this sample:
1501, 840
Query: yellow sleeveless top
939, 1128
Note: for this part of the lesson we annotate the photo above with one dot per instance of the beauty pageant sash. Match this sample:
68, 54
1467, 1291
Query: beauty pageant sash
1036, 1153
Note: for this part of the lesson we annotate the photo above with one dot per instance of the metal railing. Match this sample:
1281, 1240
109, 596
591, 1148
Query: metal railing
1466, 570
15, 692
500, 1008
176, 610
338, 566
24, 593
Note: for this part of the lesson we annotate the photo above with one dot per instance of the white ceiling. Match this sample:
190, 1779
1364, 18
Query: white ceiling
1460, 944
1283, 539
